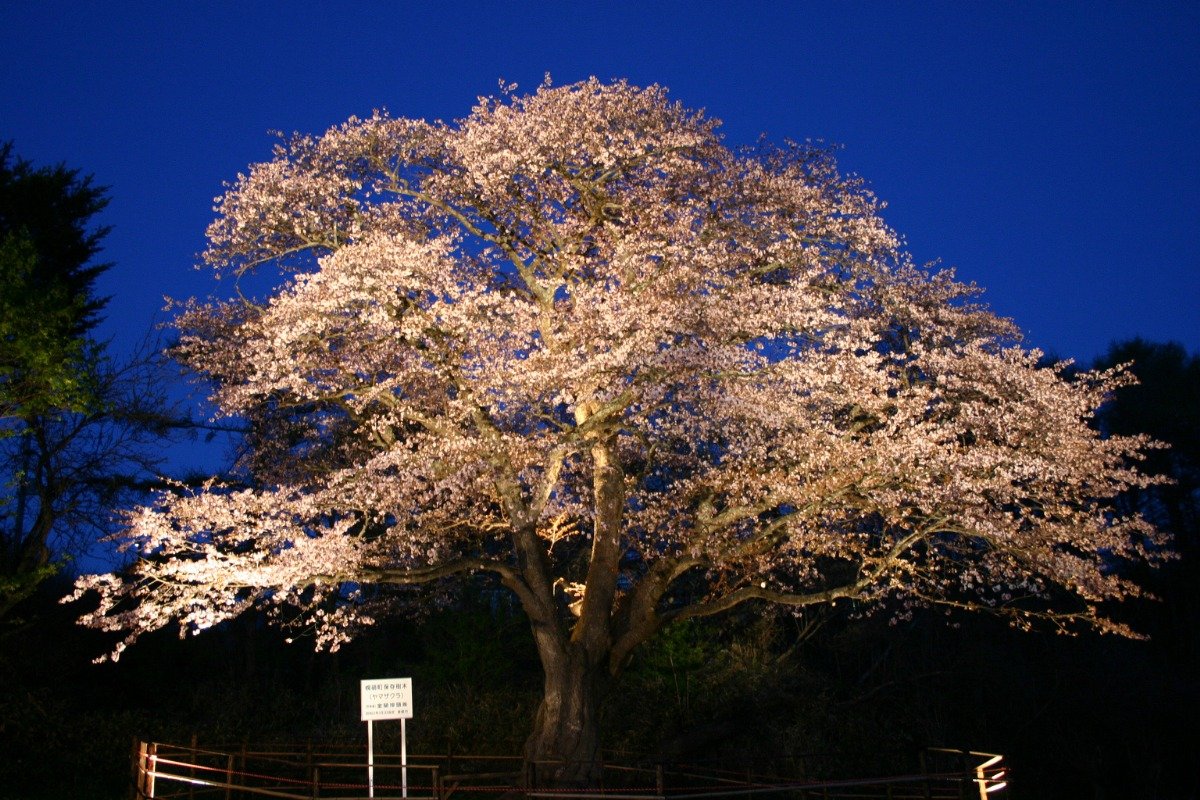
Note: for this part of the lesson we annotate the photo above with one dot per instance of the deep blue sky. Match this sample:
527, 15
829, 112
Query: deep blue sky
1049, 151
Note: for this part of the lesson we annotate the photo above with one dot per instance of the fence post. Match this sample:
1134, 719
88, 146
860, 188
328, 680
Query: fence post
316, 782
135, 772
151, 768
192, 769
923, 757
229, 776
658, 779
139, 769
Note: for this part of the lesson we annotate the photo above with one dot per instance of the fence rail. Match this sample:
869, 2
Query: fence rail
164, 771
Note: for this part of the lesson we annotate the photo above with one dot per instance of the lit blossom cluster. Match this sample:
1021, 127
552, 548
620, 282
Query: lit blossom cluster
576, 341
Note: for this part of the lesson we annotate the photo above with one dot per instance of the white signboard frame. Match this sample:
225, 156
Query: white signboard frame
386, 698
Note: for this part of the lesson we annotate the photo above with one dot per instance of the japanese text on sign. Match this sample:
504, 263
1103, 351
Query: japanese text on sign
386, 698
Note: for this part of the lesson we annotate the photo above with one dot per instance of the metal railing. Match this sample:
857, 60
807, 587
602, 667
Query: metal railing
174, 772
986, 773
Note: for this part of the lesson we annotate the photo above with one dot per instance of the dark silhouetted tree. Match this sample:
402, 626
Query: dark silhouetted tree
1165, 404
74, 426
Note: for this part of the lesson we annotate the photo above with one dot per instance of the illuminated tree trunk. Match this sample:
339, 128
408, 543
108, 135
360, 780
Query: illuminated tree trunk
564, 746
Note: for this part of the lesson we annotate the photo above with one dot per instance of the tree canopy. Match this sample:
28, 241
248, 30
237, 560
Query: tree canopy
576, 342
47, 274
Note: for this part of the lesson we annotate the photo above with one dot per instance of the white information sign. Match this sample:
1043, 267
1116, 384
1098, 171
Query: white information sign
386, 698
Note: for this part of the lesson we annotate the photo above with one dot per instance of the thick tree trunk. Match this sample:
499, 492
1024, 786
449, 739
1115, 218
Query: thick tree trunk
564, 747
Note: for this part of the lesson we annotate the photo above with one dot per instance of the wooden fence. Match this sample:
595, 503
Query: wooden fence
188, 772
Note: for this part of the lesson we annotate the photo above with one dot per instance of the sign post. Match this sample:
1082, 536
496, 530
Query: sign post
386, 698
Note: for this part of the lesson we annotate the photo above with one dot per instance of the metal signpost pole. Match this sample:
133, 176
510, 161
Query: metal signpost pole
403, 761
370, 759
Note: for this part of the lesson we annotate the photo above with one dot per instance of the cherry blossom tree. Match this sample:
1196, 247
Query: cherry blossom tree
576, 342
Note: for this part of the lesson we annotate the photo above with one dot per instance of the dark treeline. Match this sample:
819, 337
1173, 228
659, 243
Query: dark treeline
821, 696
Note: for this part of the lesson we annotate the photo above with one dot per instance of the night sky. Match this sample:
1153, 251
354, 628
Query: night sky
1048, 151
